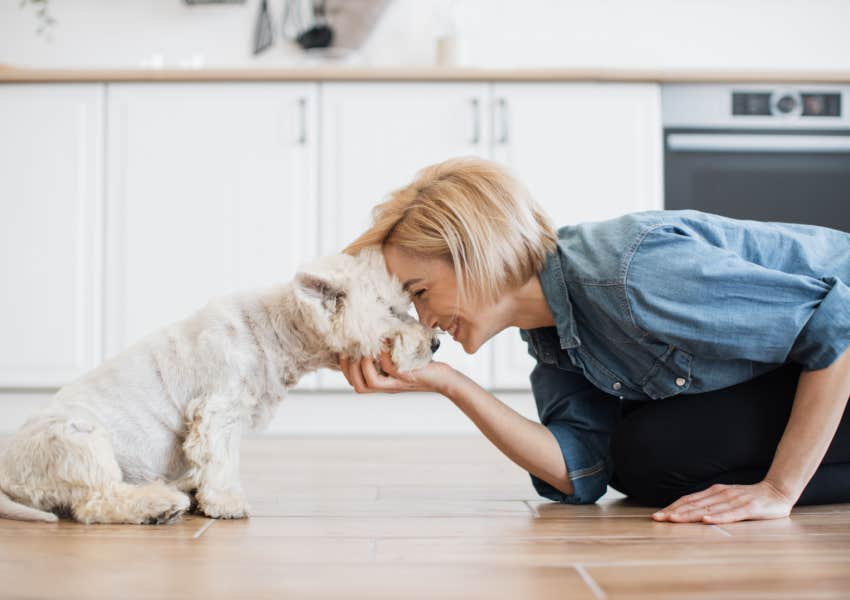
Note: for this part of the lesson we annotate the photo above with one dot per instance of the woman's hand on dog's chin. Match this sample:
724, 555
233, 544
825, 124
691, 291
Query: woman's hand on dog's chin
364, 377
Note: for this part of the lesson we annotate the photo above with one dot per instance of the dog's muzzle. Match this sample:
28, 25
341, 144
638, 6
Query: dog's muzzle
435, 344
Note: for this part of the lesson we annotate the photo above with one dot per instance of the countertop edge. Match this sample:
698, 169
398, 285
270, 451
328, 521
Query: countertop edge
20, 75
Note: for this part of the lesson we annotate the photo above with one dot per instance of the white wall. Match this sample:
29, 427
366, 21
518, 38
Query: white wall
500, 33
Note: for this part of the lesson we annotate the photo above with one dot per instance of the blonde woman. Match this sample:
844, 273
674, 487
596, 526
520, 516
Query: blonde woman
689, 360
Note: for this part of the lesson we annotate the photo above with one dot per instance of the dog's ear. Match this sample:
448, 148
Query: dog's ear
320, 290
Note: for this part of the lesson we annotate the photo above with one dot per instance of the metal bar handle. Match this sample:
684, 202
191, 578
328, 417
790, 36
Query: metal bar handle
302, 119
504, 138
476, 121
722, 142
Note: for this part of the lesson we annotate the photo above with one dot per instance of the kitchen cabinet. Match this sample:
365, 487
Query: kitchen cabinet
375, 137
586, 152
50, 225
211, 189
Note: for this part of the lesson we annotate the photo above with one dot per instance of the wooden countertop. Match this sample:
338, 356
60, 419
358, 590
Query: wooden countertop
359, 73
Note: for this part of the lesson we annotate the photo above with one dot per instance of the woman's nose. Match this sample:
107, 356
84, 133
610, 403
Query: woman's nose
435, 344
428, 320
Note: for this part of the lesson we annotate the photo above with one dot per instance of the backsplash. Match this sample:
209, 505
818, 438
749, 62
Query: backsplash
789, 34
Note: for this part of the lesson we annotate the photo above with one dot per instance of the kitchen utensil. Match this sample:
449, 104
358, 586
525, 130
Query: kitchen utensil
263, 34
320, 34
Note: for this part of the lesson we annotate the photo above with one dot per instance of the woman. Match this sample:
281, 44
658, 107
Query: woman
683, 358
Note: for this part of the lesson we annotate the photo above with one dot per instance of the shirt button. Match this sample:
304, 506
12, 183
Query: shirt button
680, 381
617, 385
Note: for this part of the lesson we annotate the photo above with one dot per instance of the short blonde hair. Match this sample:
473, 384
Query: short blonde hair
473, 213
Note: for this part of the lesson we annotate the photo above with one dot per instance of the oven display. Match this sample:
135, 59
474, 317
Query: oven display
821, 105
750, 103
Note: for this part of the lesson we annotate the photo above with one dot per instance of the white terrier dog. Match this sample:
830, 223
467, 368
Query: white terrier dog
127, 441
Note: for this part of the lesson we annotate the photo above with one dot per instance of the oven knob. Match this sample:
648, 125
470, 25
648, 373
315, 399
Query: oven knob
786, 104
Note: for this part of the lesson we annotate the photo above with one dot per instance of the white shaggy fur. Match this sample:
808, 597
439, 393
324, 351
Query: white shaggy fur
125, 442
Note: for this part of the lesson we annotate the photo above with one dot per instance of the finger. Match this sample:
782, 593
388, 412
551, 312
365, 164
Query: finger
742, 512
707, 506
726, 495
381, 382
357, 379
688, 499
345, 367
389, 367
373, 379
686, 516
722, 507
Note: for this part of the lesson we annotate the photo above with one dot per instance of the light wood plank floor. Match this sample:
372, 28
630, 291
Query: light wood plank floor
423, 518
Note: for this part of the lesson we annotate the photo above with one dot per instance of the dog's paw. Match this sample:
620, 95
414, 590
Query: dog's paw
165, 507
223, 504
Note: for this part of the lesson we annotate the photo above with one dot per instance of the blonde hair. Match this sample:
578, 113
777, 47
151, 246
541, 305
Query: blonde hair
473, 213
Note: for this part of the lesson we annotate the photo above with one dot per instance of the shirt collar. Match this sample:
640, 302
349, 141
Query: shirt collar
558, 299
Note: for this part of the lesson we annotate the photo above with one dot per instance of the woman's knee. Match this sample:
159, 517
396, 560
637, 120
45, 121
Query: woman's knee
648, 463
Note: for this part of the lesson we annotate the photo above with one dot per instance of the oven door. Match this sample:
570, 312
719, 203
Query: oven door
792, 177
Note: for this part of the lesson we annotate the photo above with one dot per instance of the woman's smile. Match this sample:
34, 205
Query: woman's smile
454, 328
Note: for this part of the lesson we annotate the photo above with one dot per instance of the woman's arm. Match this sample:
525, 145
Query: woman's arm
818, 406
527, 443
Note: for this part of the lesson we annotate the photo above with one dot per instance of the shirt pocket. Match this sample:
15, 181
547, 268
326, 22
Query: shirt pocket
669, 375
604, 378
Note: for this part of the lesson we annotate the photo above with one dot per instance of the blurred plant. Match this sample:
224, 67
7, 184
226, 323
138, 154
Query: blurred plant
45, 21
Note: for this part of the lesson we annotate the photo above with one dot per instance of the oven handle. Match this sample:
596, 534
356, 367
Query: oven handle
720, 142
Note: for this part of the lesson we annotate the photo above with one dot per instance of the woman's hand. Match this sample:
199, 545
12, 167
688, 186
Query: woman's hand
728, 503
365, 378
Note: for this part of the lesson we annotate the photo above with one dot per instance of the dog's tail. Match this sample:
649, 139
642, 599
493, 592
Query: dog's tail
9, 509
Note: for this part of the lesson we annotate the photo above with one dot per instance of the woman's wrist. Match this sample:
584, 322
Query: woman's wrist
792, 490
448, 380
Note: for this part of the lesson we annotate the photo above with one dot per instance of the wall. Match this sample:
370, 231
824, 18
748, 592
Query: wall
501, 33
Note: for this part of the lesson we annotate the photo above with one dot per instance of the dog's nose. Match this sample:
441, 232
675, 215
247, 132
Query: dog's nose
435, 345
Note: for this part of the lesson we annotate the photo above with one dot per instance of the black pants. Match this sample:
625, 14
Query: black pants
664, 449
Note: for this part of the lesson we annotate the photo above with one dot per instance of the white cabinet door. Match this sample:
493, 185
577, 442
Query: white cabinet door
587, 152
375, 137
211, 189
50, 211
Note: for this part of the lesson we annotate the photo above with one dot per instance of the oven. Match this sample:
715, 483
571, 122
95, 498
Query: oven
764, 152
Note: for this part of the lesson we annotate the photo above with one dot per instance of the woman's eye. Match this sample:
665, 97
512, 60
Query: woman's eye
419, 293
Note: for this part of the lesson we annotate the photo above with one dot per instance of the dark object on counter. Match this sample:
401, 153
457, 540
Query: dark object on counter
263, 36
317, 33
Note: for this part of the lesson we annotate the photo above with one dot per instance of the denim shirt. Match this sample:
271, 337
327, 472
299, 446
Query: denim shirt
655, 304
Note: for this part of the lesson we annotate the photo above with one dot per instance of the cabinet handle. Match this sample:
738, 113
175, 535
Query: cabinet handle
504, 138
476, 121
302, 118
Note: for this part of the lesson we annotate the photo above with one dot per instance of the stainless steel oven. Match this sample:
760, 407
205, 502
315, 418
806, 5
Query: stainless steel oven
765, 152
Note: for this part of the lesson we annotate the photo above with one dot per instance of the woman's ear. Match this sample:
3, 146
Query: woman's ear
320, 290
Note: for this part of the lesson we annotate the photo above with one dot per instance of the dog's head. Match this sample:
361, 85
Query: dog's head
355, 306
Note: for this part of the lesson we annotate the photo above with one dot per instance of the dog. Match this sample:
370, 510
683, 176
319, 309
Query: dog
131, 440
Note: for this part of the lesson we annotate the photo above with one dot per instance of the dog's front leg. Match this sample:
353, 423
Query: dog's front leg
212, 449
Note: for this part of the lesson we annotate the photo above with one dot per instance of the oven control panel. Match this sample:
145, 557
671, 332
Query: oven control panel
786, 102
778, 106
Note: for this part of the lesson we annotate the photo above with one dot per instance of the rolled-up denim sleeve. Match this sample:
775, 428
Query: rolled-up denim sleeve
712, 301
582, 419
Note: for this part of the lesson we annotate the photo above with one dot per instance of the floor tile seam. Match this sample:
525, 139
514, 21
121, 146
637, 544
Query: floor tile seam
204, 528
590, 582
531, 509
807, 558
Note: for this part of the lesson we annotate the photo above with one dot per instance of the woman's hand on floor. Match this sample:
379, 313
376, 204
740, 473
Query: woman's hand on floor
727, 504
365, 378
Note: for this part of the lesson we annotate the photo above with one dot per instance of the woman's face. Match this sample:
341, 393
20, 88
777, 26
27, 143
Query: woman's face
433, 288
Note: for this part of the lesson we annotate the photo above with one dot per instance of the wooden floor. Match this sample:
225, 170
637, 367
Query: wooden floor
423, 518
